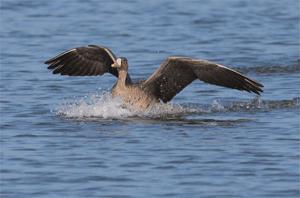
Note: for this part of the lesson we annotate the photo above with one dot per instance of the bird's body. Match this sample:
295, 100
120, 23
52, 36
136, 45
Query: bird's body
174, 74
132, 94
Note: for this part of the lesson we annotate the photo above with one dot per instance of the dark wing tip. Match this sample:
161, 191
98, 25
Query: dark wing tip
257, 92
49, 61
254, 86
217, 74
59, 56
260, 85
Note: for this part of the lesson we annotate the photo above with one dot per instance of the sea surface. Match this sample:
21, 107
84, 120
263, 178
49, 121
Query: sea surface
66, 137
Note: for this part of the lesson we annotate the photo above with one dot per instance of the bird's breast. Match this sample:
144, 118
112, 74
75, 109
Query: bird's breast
134, 96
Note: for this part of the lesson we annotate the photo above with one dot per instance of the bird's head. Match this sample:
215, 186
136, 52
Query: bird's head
121, 64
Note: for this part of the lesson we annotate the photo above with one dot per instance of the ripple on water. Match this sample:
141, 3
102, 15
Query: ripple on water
271, 69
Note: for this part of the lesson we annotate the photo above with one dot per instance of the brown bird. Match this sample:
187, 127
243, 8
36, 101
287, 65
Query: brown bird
173, 75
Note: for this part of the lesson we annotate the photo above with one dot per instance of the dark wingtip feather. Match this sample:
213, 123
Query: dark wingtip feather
50, 67
257, 90
59, 56
258, 84
57, 71
49, 61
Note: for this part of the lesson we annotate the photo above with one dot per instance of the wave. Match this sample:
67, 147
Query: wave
105, 107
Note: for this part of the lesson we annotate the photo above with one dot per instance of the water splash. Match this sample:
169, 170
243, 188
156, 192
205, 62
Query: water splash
217, 106
102, 105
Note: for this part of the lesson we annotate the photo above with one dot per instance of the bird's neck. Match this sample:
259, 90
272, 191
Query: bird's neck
122, 78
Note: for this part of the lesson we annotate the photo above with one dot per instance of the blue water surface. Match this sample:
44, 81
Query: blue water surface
65, 137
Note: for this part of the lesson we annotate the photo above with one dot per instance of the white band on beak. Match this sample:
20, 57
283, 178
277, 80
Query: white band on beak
119, 61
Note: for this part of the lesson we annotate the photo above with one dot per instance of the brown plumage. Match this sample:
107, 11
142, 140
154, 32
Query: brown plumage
174, 74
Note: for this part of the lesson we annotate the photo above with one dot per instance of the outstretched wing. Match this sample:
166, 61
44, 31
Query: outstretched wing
176, 73
83, 61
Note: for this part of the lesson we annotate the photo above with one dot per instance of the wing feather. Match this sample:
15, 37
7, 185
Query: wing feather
83, 61
176, 73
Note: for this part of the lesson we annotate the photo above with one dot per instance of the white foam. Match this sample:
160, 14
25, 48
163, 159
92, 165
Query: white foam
217, 106
104, 106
